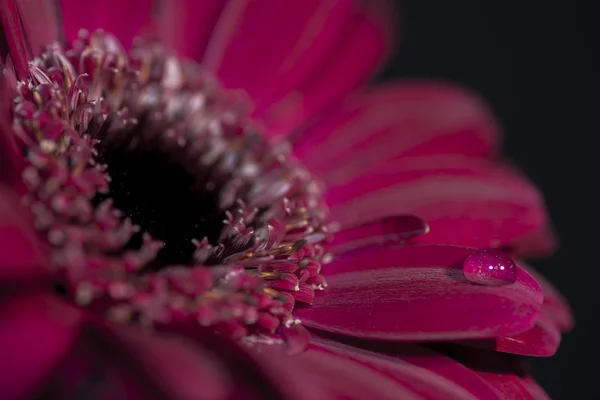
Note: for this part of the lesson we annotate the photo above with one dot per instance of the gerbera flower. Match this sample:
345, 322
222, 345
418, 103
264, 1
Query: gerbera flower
154, 197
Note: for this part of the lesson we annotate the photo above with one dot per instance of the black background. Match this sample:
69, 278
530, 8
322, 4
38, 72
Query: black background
532, 60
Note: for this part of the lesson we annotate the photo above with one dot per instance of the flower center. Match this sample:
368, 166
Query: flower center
159, 200
173, 201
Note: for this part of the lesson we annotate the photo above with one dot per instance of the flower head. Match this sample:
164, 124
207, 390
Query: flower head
160, 205
138, 190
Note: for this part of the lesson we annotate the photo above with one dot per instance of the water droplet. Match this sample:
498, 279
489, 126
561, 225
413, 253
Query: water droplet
295, 337
490, 267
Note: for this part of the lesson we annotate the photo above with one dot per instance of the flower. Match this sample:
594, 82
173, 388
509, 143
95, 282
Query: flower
128, 157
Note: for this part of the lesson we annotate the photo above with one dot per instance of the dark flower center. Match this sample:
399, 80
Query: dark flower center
150, 186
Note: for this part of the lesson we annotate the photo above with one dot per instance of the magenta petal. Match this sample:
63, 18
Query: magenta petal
11, 162
185, 371
396, 229
262, 37
398, 120
202, 366
441, 365
308, 54
419, 293
435, 362
542, 340
122, 18
288, 373
41, 22
555, 304
361, 44
37, 331
537, 244
186, 26
430, 360
21, 258
466, 201
503, 373
102, 370
198, 358
515, 387
349, 372
10, 23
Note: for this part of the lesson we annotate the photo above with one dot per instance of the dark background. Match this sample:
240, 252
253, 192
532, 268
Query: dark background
532, 60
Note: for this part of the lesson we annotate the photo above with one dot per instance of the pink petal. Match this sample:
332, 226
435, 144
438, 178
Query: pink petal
428, 359
21, 258
120, 383
419, 293
250, 374
362, 45
11, 162
261, 39
555, 304
117, 361
466, 201
392, 229
542, 340
438, 364
320, 36
515, 387
37, 331
183, 370
537, 244
125, 19
399, 120
288, 373
94, 368
41, 23
105, 362
349, 372
10, 23
502, 372
270, 49
187, 25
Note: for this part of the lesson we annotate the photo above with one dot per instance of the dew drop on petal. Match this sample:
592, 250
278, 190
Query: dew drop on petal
490, 267
296, 338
